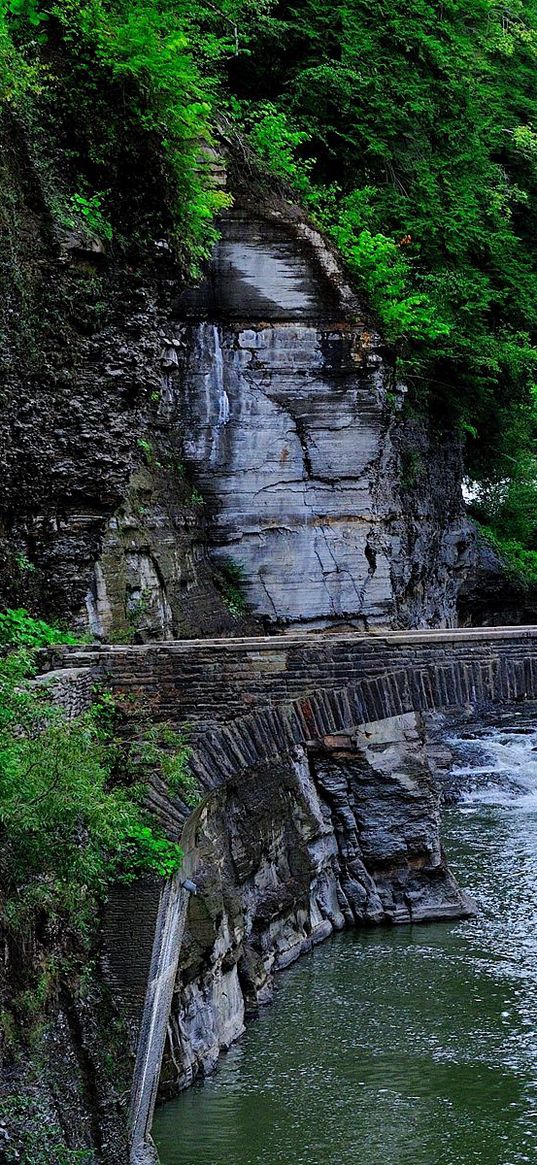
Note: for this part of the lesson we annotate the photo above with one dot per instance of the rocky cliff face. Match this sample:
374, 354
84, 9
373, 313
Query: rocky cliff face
331, 509
164, 452
98, 525
160, 448
341, 835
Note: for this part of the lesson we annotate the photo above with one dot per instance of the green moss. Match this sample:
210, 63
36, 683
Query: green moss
196, 498
230, 581
412, 469
519, 561
36, 1138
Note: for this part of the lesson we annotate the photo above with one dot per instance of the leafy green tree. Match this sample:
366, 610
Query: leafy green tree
414, 124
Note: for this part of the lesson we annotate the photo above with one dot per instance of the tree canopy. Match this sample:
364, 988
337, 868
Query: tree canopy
407, 129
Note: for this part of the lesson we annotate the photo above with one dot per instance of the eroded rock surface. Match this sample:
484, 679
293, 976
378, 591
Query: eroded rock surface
288, 438
343, 834
333, 511
255, 419
493, 594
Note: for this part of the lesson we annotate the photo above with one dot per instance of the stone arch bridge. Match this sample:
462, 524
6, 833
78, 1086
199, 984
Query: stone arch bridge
319, 809
248, 700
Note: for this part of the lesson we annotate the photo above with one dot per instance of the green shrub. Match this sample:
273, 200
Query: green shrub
518, 560
156, 747
196, 499
125, 90
17, 627
71, 800
88, 211
277, 142
230, 581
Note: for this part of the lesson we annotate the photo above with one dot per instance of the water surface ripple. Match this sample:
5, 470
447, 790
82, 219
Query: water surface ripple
413, 1046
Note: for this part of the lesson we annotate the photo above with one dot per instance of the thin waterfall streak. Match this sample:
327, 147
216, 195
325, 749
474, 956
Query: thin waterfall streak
223, 399
215, 381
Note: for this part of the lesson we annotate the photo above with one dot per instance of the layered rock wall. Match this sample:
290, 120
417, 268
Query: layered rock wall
154, 442
331, 510
98, 525
286, 854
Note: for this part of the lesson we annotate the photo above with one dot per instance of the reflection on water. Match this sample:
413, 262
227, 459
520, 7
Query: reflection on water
412, 1046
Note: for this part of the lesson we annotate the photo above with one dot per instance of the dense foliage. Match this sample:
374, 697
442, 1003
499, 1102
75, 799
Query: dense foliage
414, 126
119, 88
17, 627
407, 129
71, 795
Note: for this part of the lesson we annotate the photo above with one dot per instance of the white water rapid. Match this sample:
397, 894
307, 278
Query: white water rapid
498, 767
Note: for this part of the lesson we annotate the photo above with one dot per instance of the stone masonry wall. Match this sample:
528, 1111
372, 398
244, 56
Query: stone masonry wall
243, 699
319, 810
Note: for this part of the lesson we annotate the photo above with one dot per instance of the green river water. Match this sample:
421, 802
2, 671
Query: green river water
411, 1046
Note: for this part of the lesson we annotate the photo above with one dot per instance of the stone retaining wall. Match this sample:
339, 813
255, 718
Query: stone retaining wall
247, 700
321, 809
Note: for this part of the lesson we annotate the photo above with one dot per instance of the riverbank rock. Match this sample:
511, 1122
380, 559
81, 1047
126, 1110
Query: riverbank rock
339, 835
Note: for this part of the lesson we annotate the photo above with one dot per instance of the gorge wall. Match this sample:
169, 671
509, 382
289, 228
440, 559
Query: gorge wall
327, 507
319, 805
160, 447
290, 852
200, 465
319, 808
98, 525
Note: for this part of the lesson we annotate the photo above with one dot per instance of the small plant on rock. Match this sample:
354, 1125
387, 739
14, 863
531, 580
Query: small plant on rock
231, 581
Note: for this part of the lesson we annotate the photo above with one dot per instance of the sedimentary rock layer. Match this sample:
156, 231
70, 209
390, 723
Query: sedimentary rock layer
292, 432
286, 854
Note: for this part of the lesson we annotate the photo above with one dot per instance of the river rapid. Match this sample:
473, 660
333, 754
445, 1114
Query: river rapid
411, 1046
